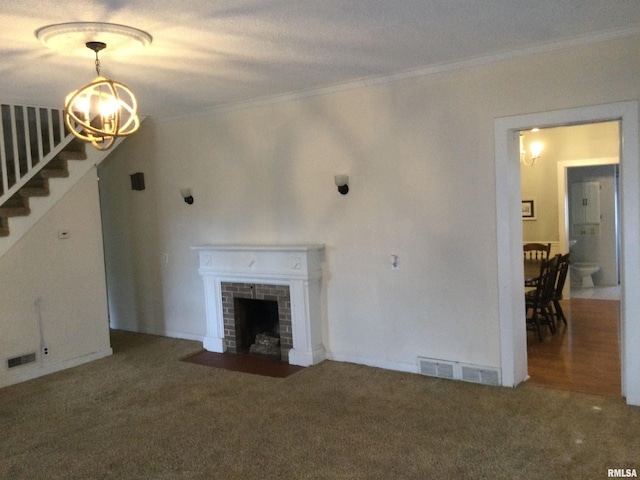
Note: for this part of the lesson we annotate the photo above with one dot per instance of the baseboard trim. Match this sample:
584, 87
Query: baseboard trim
373, 362
162, 333
25, 374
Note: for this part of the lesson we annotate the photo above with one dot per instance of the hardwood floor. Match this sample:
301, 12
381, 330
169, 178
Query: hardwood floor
584, 356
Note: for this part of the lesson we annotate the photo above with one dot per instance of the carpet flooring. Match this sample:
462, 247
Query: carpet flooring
142, 413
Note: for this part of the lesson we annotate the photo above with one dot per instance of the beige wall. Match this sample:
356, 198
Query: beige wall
68, 278
420, 156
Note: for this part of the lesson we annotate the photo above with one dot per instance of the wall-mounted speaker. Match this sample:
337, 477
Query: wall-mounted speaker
137, 181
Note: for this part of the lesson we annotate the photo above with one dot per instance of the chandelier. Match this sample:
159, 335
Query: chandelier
102, 110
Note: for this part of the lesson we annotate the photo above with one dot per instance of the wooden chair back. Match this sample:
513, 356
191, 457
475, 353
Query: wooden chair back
546, 284
536, 252
563, 270
539, 301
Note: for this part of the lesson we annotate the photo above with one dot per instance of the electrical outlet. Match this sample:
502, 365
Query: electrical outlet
395, 264
45, 351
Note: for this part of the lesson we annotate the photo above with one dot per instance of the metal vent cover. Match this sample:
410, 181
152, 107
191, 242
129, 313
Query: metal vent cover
21, 360
484, 375
437, 368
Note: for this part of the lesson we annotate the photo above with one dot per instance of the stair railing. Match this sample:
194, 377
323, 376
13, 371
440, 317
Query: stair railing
29, 138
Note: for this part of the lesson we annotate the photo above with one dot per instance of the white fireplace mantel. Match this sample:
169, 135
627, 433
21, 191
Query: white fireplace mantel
298, 266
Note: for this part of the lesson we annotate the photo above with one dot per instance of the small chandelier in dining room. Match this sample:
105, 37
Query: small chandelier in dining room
535, 150
104, 109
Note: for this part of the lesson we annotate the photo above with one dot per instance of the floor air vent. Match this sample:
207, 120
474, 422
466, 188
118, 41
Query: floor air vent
458, 371
21, 360
436, 368
476, 374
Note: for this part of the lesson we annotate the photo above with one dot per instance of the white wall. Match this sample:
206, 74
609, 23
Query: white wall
68, 278
420, 156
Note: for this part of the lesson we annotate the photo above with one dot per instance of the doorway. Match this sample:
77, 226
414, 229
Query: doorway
509, 235
584, 354
597, 243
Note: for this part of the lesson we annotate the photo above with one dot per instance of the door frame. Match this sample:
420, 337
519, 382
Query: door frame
513, 339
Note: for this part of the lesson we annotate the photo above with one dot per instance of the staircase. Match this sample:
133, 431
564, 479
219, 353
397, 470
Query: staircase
38, 185
36, 150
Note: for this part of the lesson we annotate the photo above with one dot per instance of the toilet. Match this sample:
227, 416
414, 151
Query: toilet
581, 274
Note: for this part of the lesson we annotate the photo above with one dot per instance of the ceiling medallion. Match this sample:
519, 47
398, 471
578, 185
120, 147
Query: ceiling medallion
70, 38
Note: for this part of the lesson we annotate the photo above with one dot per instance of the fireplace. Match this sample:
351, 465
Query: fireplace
256, 320
255, 316
265, 272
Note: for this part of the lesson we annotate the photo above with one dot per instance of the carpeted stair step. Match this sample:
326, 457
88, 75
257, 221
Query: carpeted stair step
72, 155
78, 146
16, 206
56, 168
4, 227
36, 187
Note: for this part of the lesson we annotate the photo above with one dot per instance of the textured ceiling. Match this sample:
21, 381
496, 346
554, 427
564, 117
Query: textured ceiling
208, 53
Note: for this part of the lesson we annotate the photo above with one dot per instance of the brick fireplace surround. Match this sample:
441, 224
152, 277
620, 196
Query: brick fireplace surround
256, 291
297, 267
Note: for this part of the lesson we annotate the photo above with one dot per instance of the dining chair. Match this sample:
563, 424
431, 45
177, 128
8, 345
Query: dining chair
561, 277
536, 252
538, 309
534, 255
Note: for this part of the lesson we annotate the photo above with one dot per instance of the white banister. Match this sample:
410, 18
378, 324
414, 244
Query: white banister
14, 143
27, 137
39, 137
14, 131
50, 124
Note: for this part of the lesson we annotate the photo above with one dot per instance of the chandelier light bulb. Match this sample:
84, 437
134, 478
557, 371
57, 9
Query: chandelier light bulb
536, 148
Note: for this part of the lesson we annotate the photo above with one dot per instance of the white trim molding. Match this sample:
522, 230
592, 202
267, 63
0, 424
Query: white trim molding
513, 345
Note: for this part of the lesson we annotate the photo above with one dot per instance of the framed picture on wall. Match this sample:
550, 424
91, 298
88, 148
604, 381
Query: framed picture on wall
529, 209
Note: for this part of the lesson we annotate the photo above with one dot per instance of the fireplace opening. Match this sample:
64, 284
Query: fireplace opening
257, 325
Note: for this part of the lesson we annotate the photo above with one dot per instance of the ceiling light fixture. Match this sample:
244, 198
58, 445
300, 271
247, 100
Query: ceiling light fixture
102, 110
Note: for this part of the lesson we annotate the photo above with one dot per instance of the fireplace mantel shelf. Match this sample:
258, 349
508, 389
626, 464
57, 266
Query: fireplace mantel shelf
250, 247
297, 266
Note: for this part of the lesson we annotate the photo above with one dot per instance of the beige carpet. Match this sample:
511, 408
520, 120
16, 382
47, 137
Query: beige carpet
144, 414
